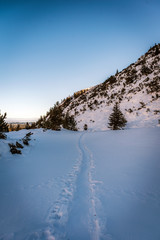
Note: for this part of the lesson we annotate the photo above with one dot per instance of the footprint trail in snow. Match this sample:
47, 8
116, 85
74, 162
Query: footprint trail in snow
74, 216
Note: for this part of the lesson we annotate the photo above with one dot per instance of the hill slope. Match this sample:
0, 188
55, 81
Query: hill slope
136, 89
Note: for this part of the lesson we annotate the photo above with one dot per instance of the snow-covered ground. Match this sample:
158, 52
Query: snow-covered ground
81, 186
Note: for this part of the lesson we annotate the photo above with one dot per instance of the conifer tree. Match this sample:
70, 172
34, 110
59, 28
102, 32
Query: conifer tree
33, 125
69, 122
55, 119
3, 124
116, 119
40, 122
27, 126
18, 127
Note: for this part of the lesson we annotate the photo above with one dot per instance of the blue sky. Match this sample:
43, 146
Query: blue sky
50, 49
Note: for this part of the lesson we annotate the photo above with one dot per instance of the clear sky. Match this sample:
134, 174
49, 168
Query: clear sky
50, 49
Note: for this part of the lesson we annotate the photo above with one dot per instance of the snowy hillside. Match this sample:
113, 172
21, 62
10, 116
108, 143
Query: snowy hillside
136, 88
88, 185
81, 186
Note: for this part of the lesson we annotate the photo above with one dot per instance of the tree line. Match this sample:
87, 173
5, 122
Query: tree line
56, 119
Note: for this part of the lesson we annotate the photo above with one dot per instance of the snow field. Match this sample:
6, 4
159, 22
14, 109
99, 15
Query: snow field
128, 165
30, 183
81, 185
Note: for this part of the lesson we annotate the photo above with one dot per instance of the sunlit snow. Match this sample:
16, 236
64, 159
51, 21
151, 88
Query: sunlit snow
81, 186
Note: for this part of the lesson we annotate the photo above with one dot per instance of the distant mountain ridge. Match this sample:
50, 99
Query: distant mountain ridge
136, 88
21, 120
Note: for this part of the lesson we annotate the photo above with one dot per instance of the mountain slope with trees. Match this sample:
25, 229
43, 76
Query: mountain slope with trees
136, 89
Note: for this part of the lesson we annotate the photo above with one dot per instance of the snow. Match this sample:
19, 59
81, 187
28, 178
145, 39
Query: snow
128, 165
131, 97
31, 183
81, 185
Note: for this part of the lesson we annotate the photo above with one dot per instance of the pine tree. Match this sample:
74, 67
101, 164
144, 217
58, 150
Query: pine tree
40, 122
3, 124
116, 119
18, 127
69, 122
66, 121
33, 125
27, 126
55, 119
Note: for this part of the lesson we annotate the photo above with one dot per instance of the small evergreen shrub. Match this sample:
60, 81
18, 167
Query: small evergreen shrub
18, 145
13, 149
3, 136
145, 70
85, 127
25, 142
110, 80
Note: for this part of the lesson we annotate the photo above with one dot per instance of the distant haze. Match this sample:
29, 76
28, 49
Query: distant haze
20, 120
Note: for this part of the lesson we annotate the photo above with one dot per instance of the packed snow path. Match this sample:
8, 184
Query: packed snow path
74, 215
82, 211
81, 186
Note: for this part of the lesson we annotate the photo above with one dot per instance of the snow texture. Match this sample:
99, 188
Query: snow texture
135, 89
81, 185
